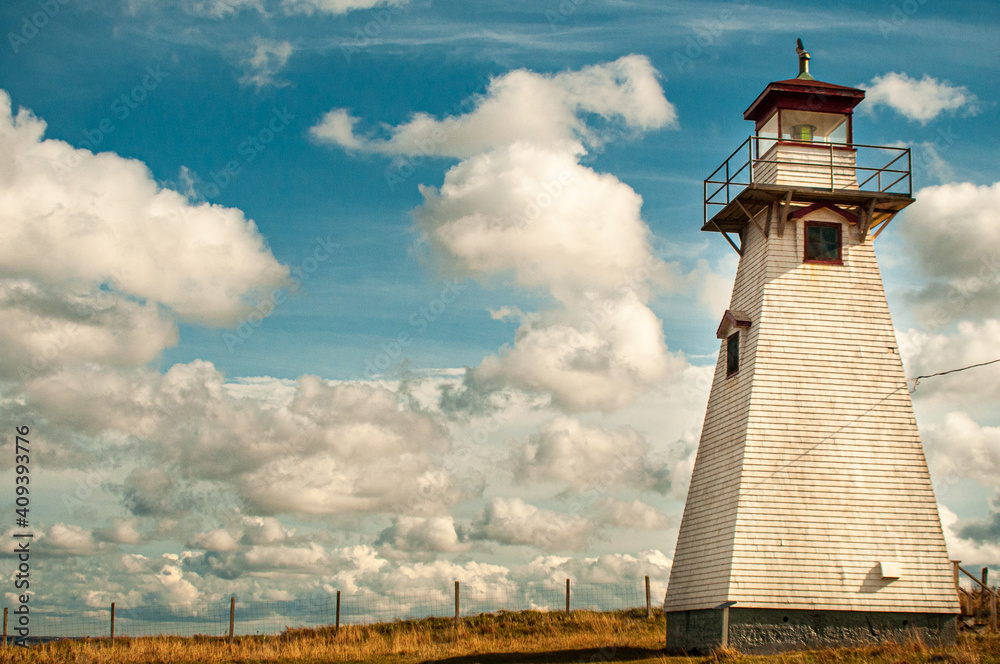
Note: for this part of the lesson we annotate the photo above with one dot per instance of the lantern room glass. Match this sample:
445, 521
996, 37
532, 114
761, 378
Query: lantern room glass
813, 126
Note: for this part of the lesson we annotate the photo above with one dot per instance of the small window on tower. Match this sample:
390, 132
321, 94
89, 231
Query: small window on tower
823, 242
732, 354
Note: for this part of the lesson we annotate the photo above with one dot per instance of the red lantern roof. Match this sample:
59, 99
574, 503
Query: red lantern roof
805, 95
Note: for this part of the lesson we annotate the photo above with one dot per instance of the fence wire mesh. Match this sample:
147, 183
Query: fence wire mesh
363, 607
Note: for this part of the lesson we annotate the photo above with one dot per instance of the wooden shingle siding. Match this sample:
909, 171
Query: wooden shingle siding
810, 470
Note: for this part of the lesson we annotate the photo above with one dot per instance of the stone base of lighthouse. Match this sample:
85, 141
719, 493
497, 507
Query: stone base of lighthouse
767, 631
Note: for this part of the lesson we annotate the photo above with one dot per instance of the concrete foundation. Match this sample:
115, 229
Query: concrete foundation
766, 631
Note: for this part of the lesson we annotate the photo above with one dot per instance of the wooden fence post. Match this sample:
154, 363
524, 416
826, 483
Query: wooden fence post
5, 627
649, 601
986, 575
232, 617
457, 607
567, 597
955, 564
336, 630
112, 623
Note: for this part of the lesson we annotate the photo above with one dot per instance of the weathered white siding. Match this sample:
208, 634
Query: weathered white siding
817, 165
810, 469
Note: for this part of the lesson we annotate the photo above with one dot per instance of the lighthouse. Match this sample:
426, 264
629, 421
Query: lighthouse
810, 519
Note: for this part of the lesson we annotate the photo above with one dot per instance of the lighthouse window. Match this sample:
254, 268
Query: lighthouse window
732, 354
823, 243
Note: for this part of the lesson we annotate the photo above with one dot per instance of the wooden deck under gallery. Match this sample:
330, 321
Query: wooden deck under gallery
755, 198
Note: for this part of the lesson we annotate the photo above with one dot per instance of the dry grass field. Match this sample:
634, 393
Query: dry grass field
505, 638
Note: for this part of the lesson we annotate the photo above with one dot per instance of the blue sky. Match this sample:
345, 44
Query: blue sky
225, 101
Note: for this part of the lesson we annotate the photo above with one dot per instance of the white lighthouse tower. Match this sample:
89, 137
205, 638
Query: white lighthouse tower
810, 519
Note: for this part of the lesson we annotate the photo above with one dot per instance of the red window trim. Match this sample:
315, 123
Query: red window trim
840, 244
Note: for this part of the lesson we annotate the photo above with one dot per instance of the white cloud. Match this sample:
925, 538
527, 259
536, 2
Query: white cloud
921, 100
122, 531
223, 8
524, 106
521, 206
968, 550
310, 7
217, 8
960, 448
589, 458
337, 126
420, 534
68, 540
270, 57
329, 449
554, 224
215, 540
264, 530
953, 234
93, 250
634, 515
969, 343
515, 522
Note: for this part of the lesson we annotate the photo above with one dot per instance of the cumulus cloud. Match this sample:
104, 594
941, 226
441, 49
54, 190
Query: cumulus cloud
521, 206
632, 515
953, 233
589, 458
959, 448
921, 100
219, 539
547, 111
969, 343
424, 534
98, 262
69, 540
513, 521
122, 531
270, 57
964, 545
329, 449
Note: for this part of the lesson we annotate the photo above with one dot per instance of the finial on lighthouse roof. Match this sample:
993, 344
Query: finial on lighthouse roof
803, 61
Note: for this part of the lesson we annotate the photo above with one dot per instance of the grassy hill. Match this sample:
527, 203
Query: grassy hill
528, 637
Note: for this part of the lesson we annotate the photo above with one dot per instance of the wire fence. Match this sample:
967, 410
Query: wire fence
358, 608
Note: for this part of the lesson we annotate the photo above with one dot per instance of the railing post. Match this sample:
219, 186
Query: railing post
832, 181
954, 568
750, 146
909, 174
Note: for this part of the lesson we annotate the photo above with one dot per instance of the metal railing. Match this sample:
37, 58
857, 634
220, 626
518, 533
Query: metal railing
874, 168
